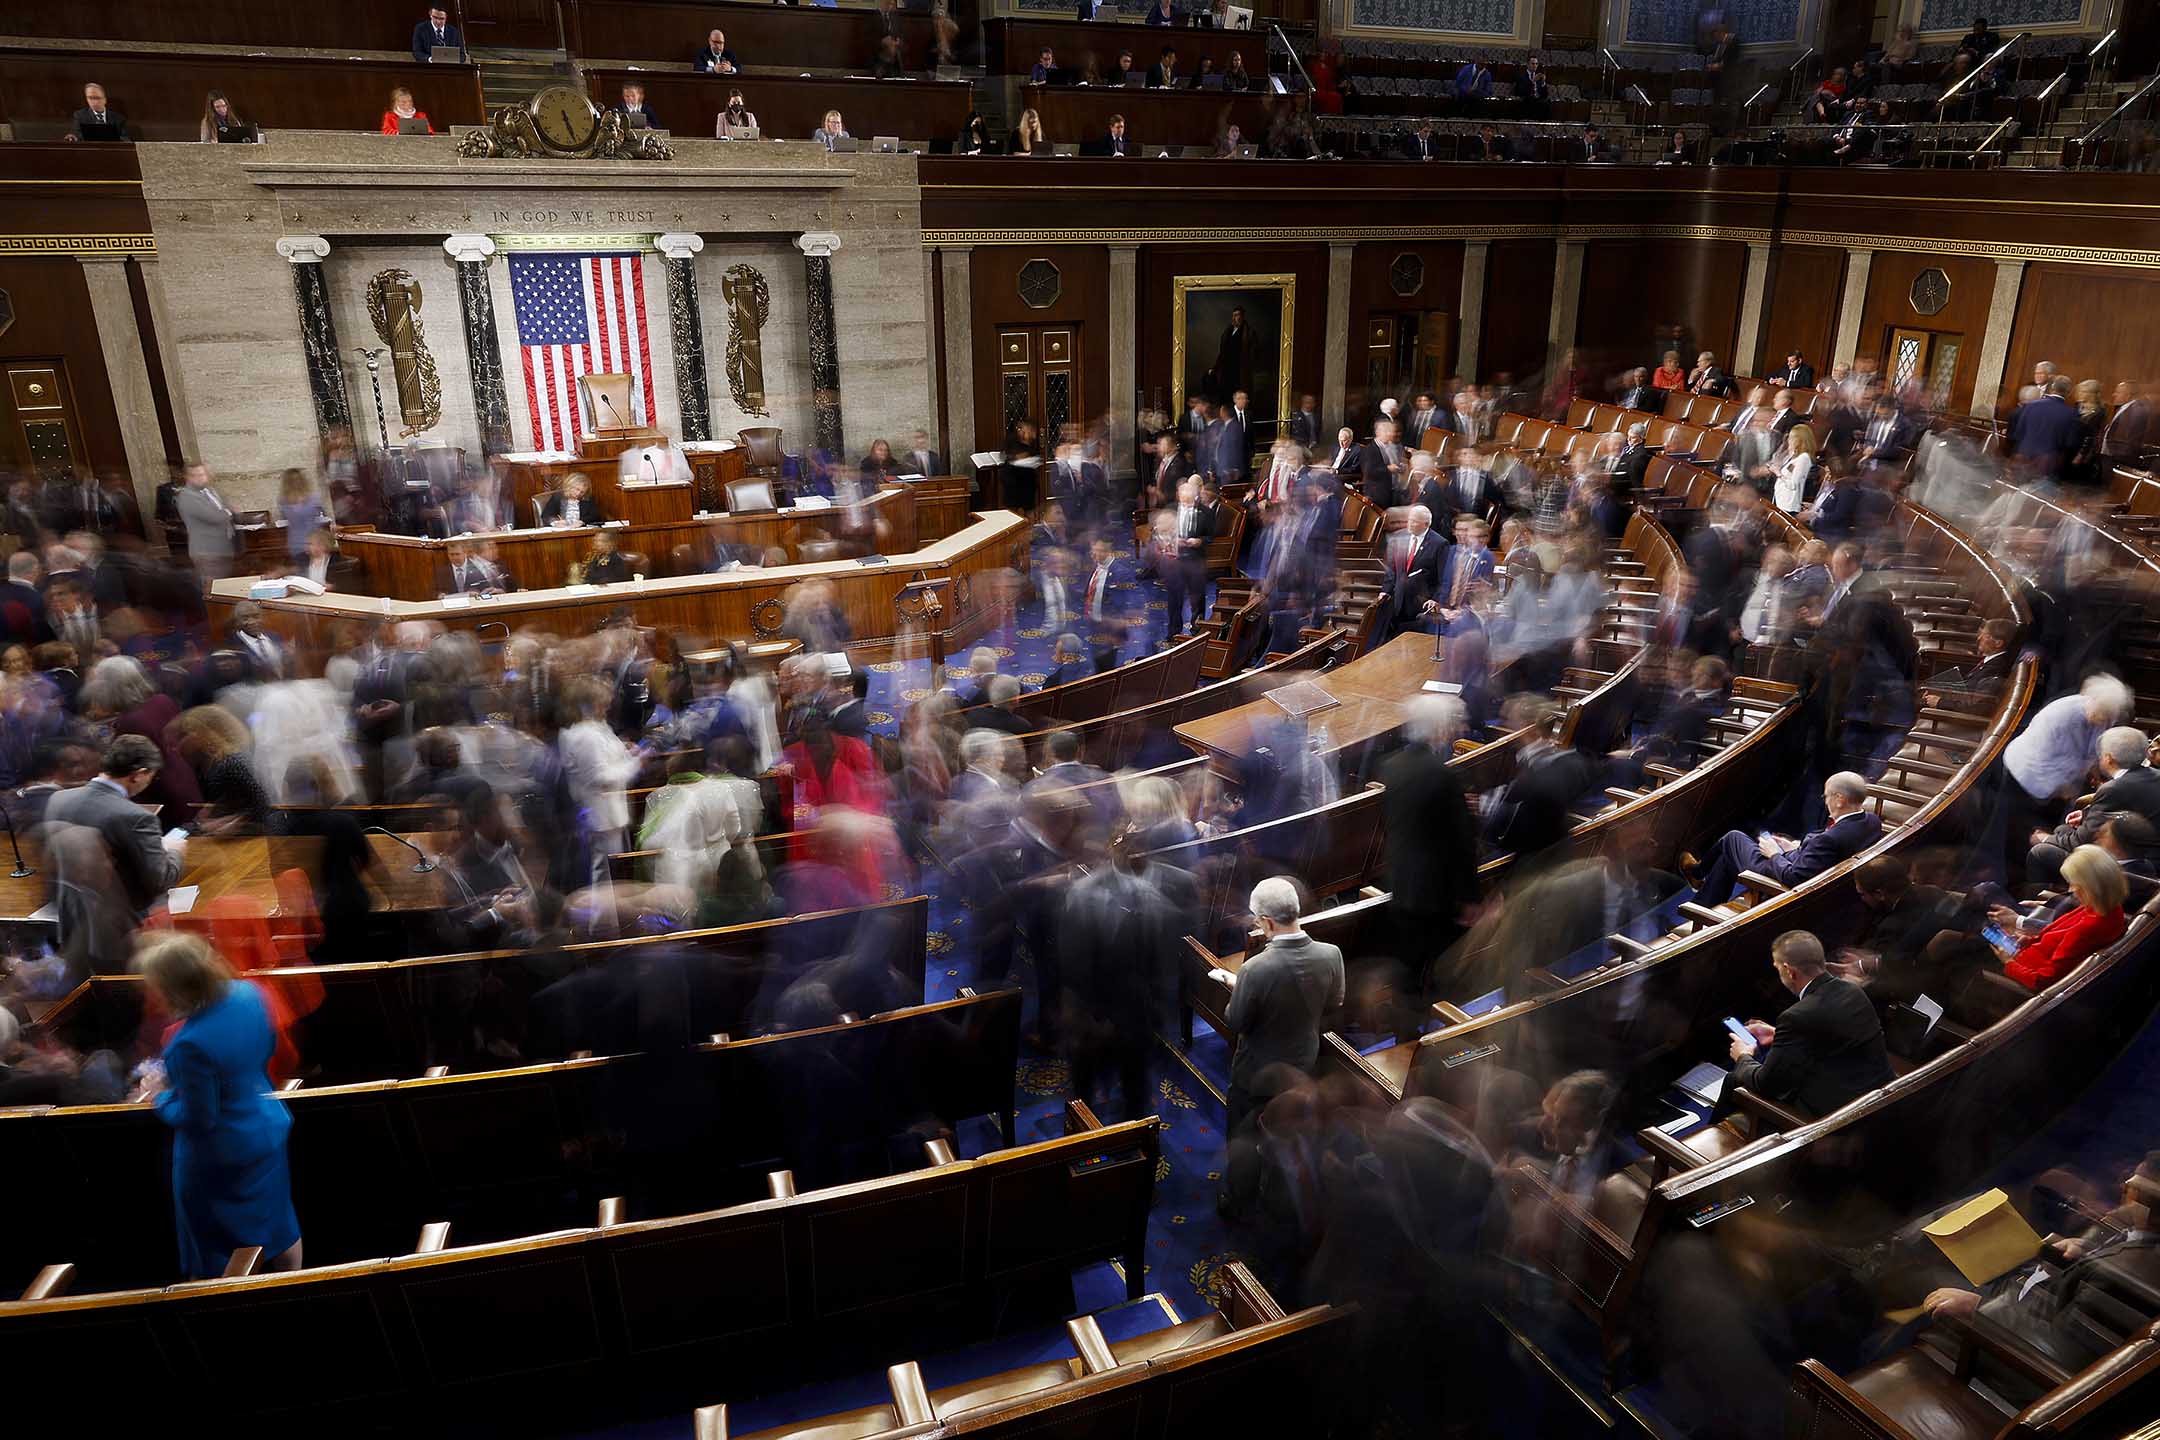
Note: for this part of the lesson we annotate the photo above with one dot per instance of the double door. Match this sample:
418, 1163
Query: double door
42, 433
1928, 357
1039, 380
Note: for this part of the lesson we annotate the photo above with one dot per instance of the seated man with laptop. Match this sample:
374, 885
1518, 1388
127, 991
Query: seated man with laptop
97, 120
435, 41
633, 106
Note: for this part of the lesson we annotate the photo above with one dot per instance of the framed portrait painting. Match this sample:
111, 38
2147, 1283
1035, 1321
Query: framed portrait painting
1232, 333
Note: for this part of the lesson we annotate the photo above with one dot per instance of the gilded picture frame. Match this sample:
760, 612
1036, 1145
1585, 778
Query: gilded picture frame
1199, 309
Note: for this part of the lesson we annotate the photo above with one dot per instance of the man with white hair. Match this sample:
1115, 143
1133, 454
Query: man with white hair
1632, 465
2132, 787
2047, 762
1792, 862
1414, 555
1277, 1001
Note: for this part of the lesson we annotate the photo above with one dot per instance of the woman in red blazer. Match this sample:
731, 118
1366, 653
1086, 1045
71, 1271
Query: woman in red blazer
402, 108
2098, 922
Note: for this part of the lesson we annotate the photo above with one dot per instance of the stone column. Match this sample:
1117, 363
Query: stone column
1747, 350
120, 339
483, 351
693, 401
318, 332
169, 356
958, 323
1335, 362
1857, 265
1995, 345
934, 328
818, 248
1124, 355
1566, 297
1470, 311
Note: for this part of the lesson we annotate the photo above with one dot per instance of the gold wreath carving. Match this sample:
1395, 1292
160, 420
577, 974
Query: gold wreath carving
511, 135
393, 306
766, 617
749, 304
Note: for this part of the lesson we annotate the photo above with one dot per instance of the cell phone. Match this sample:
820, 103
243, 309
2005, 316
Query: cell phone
1739, 1031
1999, 938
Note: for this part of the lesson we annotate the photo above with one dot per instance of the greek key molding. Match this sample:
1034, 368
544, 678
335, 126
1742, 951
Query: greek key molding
1988, 249
78, 245
1186, 235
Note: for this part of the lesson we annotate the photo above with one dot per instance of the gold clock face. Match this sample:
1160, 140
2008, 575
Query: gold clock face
565, 119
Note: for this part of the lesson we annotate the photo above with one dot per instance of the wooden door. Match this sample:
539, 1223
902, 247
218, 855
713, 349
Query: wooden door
1927, 356
43, 433
1039, 379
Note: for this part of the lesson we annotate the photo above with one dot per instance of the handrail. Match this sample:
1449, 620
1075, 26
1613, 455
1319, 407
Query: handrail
1982, 147
2116, 114
1291, 51
2104, 41
1978, 70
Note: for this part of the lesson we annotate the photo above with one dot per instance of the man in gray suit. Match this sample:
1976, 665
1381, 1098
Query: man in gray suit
212, 543
97, 917
1277, 999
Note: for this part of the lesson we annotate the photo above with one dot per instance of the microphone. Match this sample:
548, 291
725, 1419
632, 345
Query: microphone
651, 468
21, 871
425, 864
611, 409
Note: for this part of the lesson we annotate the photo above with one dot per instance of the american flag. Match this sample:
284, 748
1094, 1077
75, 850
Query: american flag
579, 315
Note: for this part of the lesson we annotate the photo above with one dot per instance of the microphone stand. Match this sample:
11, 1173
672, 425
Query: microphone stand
425, 864
21, 871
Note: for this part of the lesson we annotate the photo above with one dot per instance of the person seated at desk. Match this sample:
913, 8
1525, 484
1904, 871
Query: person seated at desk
1794, 862
572, 505
1113, 141
1164, 14
1045, 66
606, 565
832, 132
2095, 879
921, 459
973, 139
469, 570
1116, 74
435, 33
1027, 135
1226, 148
323, 564
737, 116
402, 108
1164, 76
633, 106
1593, 148
96, 112
1236, 76
220, 119
1826, 1048
878, 466
716, 58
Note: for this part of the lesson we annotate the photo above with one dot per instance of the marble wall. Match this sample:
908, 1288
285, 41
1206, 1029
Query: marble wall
350, 269
229, 310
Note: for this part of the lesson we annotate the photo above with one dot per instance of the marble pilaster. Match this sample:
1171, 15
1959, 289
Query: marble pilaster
1995, 344
1335, 351
318, 332
1566, 300
1754, 291
818, 248
120, 339
1470, 311
176, 394
956, 273
483, 351
1858, 263
1124, 355
693, 402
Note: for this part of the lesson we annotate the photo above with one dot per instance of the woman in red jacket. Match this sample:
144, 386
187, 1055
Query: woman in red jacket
2097, 883
402, 108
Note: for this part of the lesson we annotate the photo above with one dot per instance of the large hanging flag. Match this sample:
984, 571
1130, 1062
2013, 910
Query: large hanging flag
579, 315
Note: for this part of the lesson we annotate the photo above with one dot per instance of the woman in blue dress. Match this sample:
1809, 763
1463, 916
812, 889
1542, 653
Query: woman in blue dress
232, 1187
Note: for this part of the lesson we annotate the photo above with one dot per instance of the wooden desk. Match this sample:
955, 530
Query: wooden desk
802, 38
410, 567
739, 605
1011, 45
248, 866
1373, 690
1153, 118
789, 108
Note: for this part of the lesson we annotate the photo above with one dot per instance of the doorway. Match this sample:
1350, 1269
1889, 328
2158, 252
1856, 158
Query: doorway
1039, 379
42, 433
1407, 351
1926, 357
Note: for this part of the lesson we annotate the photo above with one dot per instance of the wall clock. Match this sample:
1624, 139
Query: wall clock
566, 119
1930, 291
560, 123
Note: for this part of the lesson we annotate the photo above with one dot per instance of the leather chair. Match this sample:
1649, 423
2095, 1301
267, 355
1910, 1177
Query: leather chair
607, 401
762, 454
750, 495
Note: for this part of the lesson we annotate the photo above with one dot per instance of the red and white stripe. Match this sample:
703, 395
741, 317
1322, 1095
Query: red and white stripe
620, 344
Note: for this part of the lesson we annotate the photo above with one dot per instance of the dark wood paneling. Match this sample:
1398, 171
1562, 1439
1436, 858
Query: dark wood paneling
53, 321
1518, 309
1807, 287
780, 35
1083, 302
1632, 290
355, 24
1972, 289
1153, 118
161, 92
1370, 291
1010, 46
689, 104
2095, 324
54, 188
1160, 264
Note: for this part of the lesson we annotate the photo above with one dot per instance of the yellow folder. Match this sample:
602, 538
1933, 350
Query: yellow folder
1985, 1237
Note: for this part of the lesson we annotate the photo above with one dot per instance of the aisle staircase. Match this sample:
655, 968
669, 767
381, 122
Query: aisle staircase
2082, 109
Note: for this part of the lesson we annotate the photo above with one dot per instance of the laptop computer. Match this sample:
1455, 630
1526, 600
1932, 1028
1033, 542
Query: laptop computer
1247, 152
446, 55
1064, 149
740, 132
1197, 152
1135, 79
846, 147
1211, 82
1240, 18
885, 144
412, 125
238, 135
91, 131
637, 119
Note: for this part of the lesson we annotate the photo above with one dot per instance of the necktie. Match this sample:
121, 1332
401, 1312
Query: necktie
1462, 581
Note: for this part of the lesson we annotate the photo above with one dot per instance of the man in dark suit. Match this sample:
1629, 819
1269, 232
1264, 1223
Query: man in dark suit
1835, 512
1111, 142
1424, 414
1632, 465
633, 106
466, 572
1278, 999
1415, 556
1886, 438
1164, 75
1347, 459
2132, 787
1193, 421
1078, 485
2122, 439
1068, 663
1469, 491
433, 33
1185, 579
1106, 605
846, 710
96, 111
1793, 862
1305, 424
1639, 393
1421, 143
2046, 432
920, 459
1593, 148
1797, 374
143, 864
1432, 855
1233, 450
1383, 464
996, 713
1826, 1048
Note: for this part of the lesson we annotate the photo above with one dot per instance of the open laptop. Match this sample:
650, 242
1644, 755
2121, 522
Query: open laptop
1136, 80
91, 131
1240, 18
412, 125
885, 144
446, 55
846, 147
637, 119
238, 135
1211, 82
741, 132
